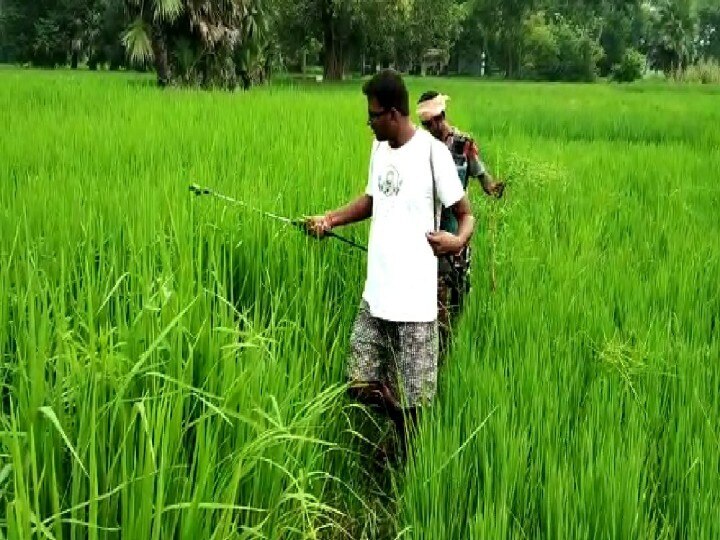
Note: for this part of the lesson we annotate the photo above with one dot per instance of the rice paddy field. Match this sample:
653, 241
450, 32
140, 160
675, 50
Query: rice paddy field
173, 367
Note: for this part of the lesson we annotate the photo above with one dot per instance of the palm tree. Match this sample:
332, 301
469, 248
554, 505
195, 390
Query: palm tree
195, 41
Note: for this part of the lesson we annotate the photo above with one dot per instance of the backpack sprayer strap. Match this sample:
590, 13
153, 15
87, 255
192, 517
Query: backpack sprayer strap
436, 206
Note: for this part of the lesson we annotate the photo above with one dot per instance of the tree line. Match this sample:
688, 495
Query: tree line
230, 43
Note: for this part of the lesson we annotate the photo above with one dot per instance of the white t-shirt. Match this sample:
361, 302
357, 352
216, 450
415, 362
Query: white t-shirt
401, 283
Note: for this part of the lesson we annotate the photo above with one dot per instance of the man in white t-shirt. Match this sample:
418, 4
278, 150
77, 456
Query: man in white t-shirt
394, 341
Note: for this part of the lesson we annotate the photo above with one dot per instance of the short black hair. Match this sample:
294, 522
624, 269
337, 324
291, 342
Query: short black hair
388, 88
427, 96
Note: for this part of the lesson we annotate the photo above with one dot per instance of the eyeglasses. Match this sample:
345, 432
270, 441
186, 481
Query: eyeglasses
373, 115
427, 124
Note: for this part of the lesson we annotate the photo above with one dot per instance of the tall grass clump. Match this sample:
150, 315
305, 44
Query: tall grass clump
704, 72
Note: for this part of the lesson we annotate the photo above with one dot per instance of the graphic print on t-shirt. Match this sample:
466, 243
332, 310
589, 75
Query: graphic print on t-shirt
390, 182
401, 282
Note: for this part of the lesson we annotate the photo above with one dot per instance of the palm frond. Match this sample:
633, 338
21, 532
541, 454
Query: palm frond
136, 40
167, 10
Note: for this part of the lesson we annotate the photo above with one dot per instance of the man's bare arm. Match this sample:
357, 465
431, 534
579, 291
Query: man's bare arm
358, 210
465, 219
443, 242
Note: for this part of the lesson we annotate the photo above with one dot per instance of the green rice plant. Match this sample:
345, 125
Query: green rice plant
174, 367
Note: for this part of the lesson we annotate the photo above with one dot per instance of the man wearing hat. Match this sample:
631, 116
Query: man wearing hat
453, 271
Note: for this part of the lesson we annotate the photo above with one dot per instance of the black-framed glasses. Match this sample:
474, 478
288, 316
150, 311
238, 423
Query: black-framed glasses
373, 115
427, 124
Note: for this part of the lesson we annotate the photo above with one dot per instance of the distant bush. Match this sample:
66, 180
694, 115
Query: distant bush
630, 68
557, 50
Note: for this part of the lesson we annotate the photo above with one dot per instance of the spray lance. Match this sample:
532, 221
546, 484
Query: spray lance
297, 223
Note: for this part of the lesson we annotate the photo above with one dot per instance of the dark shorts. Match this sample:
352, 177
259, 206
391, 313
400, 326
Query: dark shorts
452, 288
454, 277
403, 355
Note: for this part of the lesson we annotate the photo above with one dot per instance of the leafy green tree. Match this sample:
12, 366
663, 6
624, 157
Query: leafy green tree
672, 41
429, 25
709, 31
558, 50
339, 26
496, 27
387, 31
57, 32
103, 37
624, 26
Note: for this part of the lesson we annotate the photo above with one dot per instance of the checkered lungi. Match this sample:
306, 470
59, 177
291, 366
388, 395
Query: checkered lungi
403, 355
